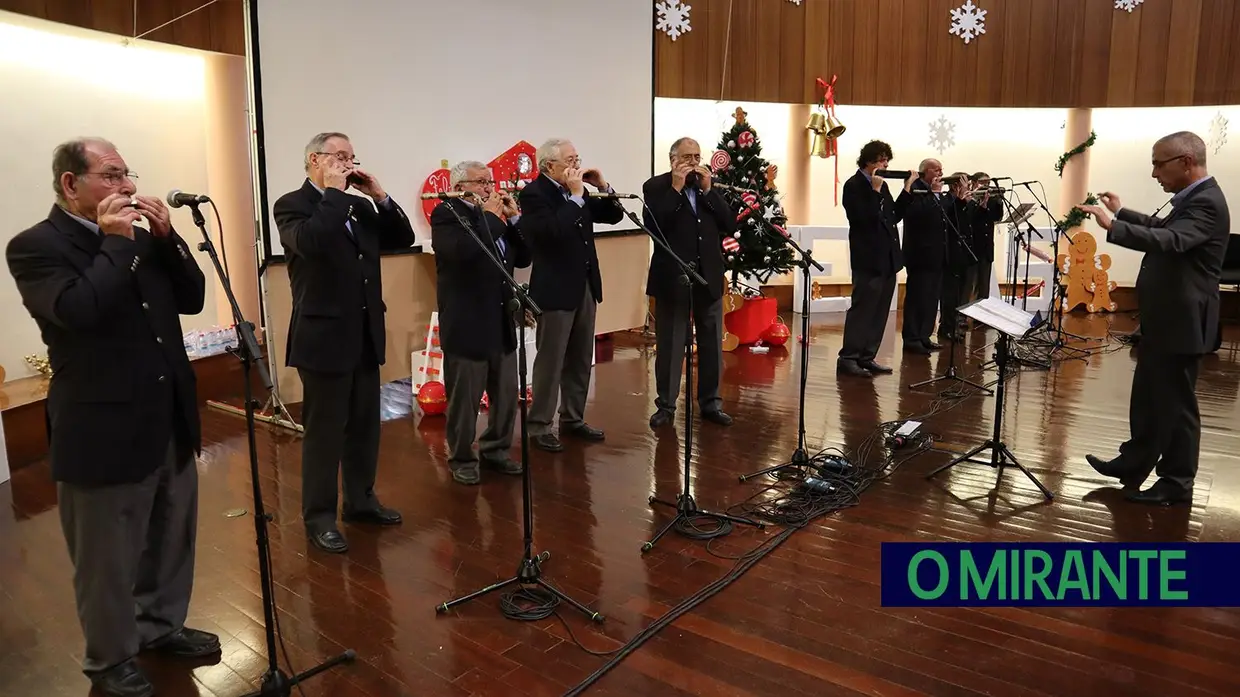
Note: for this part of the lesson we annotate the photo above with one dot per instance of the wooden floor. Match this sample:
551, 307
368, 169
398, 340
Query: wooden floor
806, 620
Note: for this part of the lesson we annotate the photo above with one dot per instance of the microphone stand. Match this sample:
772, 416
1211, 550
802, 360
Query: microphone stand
529, 570
1024, 302
1051, 327
274, 683
801, 459
951, 359
686, 508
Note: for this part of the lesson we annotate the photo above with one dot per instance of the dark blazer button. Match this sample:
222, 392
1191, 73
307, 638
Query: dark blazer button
163, 378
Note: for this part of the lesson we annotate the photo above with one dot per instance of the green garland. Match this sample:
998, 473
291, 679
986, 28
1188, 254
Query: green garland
1063, 159
1077, 217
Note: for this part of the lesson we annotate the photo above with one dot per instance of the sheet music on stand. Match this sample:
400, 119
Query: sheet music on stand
1022, 213
997, 314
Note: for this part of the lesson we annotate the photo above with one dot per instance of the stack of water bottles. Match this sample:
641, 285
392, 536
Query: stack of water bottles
209, 342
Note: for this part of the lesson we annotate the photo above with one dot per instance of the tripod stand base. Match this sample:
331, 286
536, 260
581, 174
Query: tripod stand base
529, 573
275, 420
999, 454
687, 510
278, 684
951, 375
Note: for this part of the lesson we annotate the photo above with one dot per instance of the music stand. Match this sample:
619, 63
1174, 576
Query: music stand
1011, 323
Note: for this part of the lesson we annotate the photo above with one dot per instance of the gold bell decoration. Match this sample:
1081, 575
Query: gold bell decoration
835, 129
827, 129
817, 127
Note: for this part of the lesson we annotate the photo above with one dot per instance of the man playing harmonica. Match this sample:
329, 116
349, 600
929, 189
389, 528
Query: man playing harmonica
920, 205
693, 218
558, 222
476, 328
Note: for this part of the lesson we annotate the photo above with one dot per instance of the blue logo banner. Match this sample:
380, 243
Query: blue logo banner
1067, 574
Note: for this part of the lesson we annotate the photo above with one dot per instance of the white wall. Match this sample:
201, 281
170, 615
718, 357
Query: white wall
63, 82
414, 83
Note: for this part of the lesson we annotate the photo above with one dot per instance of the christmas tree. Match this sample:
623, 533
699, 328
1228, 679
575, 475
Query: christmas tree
758, 249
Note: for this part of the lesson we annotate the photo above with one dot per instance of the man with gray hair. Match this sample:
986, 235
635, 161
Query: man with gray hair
1177, 292
558, 221
477, 333
693, 218
336, 335
122, 409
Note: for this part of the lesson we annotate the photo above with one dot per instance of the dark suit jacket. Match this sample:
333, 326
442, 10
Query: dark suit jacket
984, 220
925, 231
873, 241
962, 215
695, 237
337, 287
1177, 288
474, 318
560, 234
109, 311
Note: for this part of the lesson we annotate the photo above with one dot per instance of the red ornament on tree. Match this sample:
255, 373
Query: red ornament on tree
433, 398
777, 334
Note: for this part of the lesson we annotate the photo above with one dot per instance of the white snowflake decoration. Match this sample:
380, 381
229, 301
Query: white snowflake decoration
942, 134
1128, 5
968, 21
795, 2
1218, 132
673, 18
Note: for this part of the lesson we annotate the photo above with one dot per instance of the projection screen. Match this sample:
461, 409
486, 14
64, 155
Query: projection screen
417, 83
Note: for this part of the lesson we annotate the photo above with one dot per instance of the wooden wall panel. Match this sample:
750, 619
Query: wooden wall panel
219, 28
1035, 53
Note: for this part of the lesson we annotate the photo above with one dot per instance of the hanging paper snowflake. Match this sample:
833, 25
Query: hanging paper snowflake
1218, 132
1129, 5
968, 21
795, 2
673, 18
942, 134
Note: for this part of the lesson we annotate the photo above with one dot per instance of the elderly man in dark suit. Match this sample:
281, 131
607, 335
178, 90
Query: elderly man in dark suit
693, 218
922, 207
558, 222
1177, 290
336, 336
875, 258
477, 332
122, 407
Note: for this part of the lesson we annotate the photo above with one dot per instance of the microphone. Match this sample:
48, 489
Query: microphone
176, 198
604, 194
893, 173
1034, 181
445, 195
729, 187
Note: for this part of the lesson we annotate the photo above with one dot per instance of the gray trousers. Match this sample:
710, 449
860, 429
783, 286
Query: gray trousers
132, 547
671, 326
466, 379
565, 341
866, 320
1163, 418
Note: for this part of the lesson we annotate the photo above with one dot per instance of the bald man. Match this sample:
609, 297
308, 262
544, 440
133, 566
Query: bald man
1177, 290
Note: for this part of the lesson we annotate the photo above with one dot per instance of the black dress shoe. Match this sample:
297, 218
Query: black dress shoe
124, 680
1163, 492
662, 417
916, 347
467, 476
586, 432
1115, 468
932, 345
187, 643
874, 367
506, 465
330, 541
717, 417
548, 442
378, 515
853, 368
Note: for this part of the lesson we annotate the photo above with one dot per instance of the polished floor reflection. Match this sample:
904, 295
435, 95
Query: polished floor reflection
806, 620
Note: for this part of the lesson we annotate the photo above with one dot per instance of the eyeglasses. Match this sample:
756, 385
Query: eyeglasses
1160, 163
483, 182
113, 176
573, 162
342, 156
